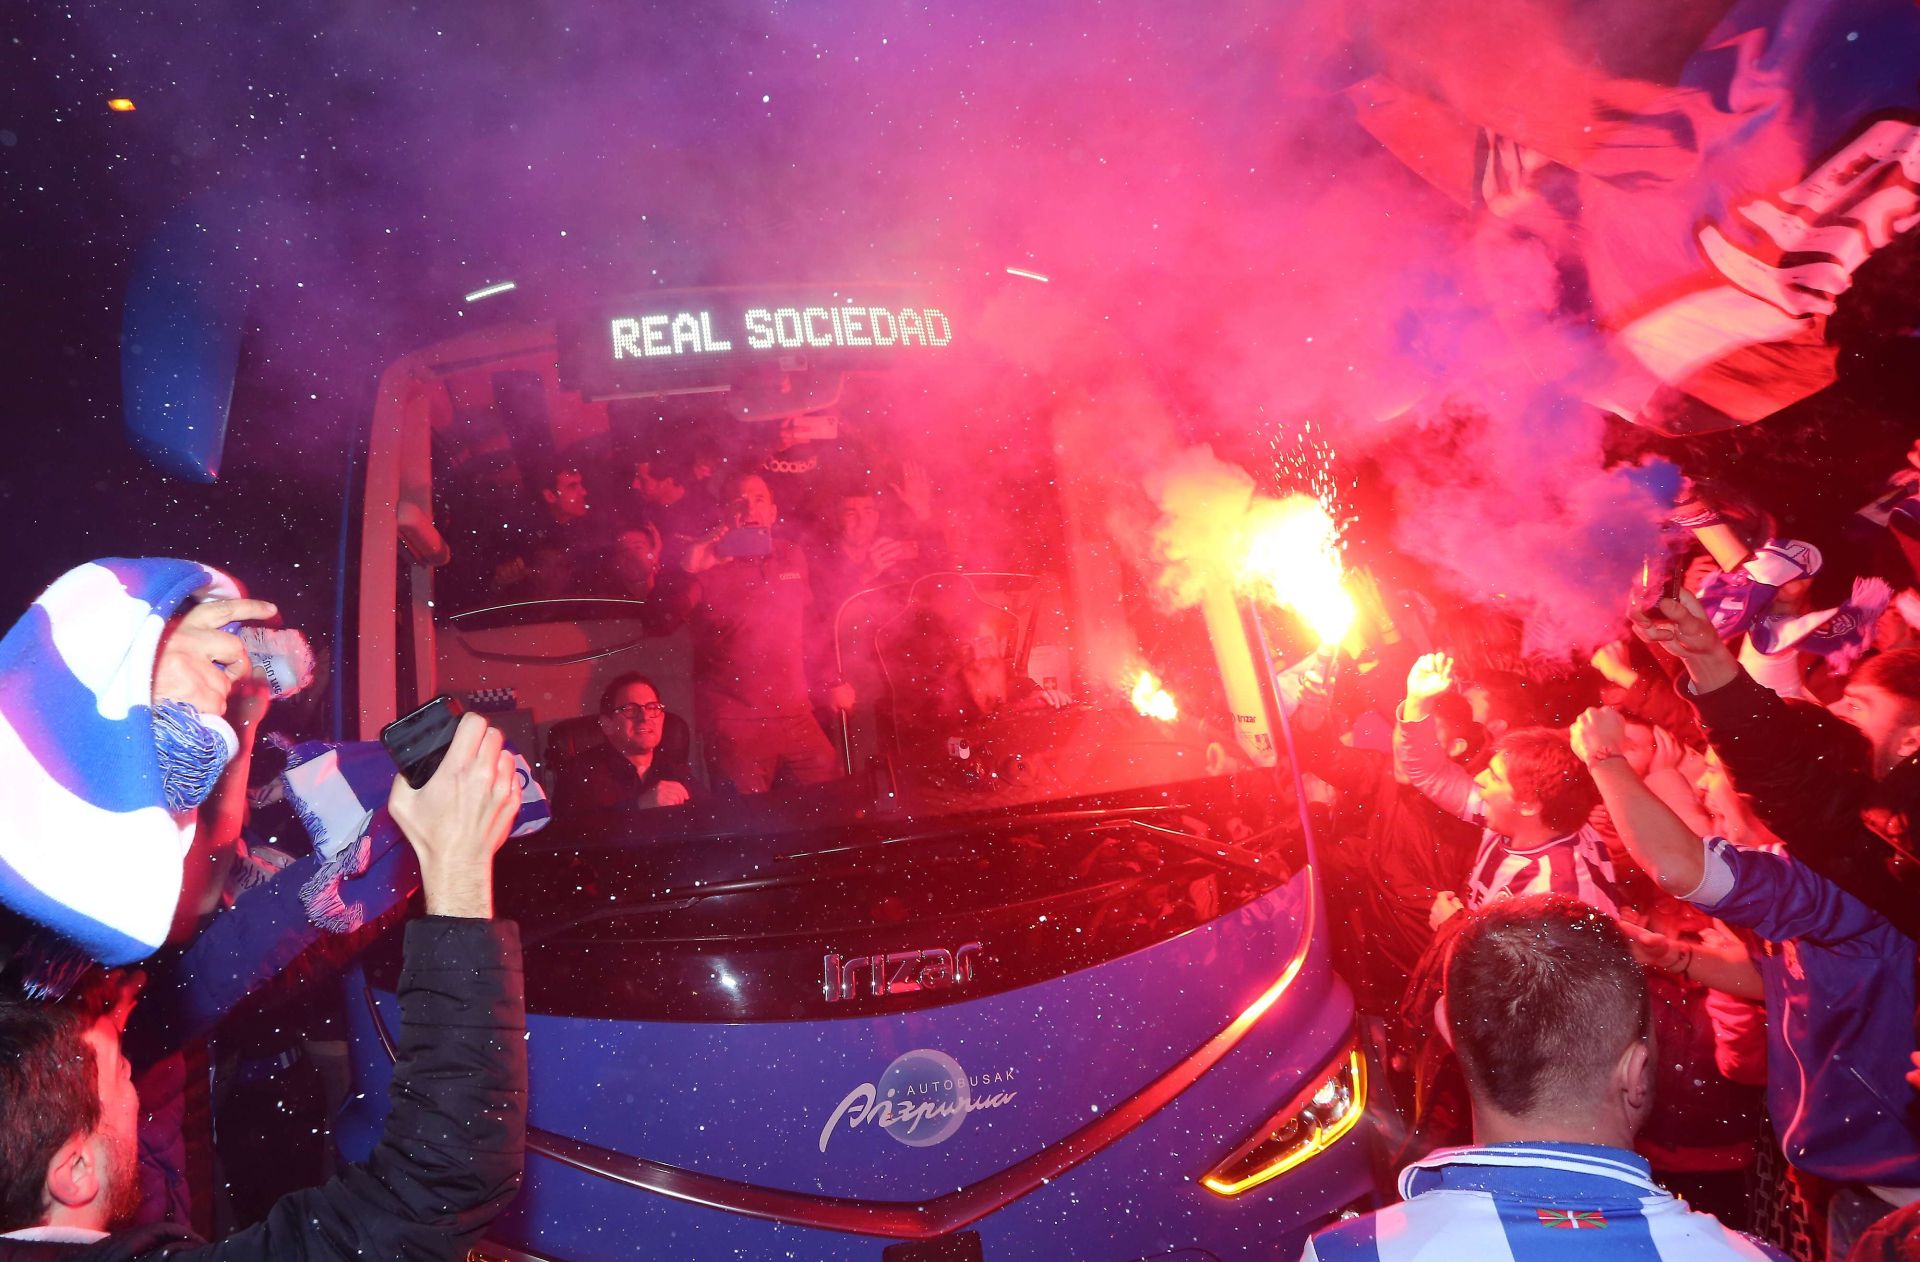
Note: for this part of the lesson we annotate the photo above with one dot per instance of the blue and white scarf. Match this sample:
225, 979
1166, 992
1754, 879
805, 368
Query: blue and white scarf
340, 793
88, 847
1742, 602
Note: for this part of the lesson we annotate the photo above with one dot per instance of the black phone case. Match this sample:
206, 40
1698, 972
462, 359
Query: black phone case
418, 741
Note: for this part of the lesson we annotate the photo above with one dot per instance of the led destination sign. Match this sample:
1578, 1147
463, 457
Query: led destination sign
672, 341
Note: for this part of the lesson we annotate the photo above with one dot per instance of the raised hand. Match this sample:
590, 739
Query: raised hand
1431, 675
459, 819
1682, 627
1611, 661
1598, 734
914, 490
1667, 752
198, 661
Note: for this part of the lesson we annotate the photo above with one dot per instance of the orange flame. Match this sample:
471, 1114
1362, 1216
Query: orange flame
1152, 700
1293, 550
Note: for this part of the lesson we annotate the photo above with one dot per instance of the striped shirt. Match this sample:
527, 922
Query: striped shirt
1534, 1203
1576, 864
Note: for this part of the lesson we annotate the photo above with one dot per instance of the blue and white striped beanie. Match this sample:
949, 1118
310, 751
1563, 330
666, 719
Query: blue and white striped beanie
88, 847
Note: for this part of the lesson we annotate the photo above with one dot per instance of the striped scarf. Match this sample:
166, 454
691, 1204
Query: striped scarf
89, 848
339, 791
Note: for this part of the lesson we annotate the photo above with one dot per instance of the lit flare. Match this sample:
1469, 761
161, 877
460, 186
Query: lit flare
1293, 551
1152, 700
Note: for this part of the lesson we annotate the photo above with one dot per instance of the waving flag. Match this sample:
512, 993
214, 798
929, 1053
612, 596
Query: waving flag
1710, 206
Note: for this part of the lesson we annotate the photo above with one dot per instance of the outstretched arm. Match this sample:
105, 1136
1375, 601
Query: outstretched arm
1417, 755
450, 1156
1672, 854
1802, 768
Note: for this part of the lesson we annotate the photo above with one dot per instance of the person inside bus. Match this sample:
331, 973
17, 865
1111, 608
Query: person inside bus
570, 547
637, 765
948, 662
663, 496
758, 655
864, 547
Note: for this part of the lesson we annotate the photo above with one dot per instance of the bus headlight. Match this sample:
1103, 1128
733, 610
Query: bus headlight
1306, 1127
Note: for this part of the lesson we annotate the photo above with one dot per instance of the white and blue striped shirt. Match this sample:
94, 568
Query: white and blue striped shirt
1532, 1203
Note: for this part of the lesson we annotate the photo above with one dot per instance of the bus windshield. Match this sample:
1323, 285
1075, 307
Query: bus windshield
808, 647
769, 575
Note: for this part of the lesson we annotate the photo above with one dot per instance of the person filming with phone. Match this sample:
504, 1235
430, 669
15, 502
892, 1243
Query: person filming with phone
451, 1155
758, 656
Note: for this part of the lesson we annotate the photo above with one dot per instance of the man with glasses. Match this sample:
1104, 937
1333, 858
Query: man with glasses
631, 768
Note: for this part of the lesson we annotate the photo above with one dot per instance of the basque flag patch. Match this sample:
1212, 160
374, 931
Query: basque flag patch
1572, 1219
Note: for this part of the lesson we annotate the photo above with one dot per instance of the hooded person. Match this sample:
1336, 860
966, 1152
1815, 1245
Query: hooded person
112, 689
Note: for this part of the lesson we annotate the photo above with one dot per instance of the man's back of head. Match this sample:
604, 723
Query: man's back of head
1547, 1012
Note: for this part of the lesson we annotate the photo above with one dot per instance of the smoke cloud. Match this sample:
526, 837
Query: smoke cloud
1230, 255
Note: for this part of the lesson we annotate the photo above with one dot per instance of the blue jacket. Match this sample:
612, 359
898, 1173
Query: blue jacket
1840, 992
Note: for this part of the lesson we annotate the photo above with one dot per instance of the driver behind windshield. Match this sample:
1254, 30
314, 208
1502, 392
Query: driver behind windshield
637, 764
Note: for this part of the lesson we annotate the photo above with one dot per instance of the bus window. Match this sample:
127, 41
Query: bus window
964, 639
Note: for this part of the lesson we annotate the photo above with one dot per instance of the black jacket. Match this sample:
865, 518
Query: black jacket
1389, 851
450, 1157
599, 778
1810, 777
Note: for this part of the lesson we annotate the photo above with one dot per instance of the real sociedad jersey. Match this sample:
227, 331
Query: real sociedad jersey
1576, 865
1533, 1203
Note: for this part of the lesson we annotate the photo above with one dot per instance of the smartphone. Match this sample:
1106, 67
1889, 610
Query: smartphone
813, 427
1669, 590
747, 542
1649, 592
418, 741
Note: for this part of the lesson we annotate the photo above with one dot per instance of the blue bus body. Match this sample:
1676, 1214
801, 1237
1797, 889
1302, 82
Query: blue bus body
757, 1109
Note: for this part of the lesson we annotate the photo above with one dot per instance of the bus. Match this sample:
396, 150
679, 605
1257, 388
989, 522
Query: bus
1040, 970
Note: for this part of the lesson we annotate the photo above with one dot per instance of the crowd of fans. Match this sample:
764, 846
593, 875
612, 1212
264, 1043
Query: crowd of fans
117, 1164
1647, 928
